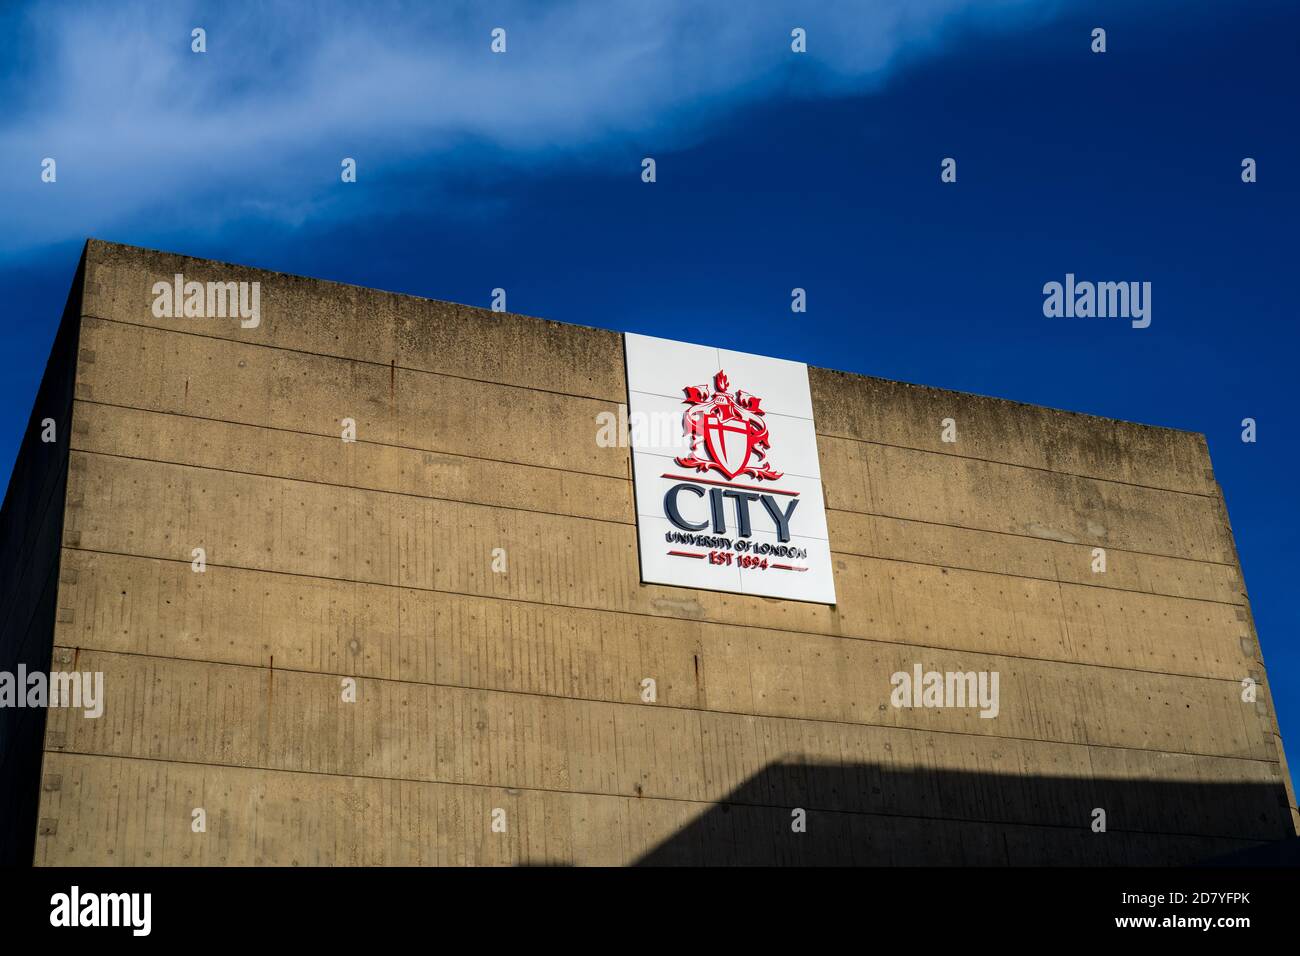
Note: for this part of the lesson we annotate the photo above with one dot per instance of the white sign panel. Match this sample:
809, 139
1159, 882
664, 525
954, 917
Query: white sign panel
728, 484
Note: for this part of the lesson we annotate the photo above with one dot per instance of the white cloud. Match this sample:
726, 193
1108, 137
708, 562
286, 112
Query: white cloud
144, 130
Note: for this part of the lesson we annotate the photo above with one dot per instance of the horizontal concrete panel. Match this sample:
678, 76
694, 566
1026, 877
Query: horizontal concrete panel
230, 715
990, 496
898, 413
114, 812
164, 511
154, 436
163, 608
181, 439
1006, 553
238, 382
147, 606
232, 382
331, 319
328, 318
117, 812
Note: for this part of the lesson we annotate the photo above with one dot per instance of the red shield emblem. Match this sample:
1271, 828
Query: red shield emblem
729, 443
727, 431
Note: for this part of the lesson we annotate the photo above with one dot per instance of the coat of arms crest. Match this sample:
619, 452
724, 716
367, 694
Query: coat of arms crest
726, 431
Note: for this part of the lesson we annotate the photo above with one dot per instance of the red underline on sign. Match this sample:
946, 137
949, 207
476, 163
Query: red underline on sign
786, 567
685, 554
728, 484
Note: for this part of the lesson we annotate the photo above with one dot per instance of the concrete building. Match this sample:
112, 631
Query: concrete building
429, 645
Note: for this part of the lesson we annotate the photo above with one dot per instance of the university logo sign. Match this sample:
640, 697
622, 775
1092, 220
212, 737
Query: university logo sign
728, 428
713, 509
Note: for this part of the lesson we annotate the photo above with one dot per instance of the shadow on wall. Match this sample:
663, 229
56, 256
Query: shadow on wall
31, 534
871, 815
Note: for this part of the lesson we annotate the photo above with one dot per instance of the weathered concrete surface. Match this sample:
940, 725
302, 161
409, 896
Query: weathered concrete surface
182, 439
477, 690
400, 730
437, 637
275, 817
160, 510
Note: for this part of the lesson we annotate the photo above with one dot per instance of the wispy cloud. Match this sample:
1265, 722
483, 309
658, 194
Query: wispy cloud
145, 131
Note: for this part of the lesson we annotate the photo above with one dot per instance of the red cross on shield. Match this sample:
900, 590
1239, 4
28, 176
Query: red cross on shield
729, 444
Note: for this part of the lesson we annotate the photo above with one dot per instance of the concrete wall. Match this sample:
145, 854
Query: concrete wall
478, 690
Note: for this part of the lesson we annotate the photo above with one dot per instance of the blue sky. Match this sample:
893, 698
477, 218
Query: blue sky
774, 171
